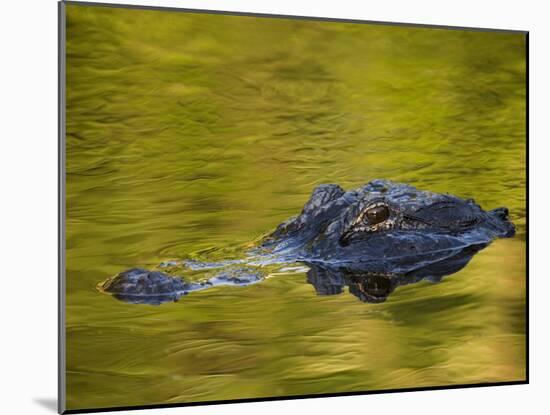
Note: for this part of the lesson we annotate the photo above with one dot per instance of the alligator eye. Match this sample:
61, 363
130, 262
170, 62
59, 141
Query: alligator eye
378, 214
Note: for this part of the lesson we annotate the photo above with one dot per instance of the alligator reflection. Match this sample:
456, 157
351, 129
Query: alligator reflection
372, 285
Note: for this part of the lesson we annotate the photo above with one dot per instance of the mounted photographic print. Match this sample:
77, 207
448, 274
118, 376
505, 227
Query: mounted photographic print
258, 207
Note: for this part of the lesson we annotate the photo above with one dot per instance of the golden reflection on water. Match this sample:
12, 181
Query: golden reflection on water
187, 132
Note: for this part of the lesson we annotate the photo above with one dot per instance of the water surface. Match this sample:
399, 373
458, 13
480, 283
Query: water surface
191, 133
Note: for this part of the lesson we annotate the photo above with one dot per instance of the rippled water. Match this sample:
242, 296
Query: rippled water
189, 133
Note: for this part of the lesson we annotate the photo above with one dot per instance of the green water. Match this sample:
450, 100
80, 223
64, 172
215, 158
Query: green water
190, 132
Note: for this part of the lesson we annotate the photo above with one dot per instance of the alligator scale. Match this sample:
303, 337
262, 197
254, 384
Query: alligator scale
371, 239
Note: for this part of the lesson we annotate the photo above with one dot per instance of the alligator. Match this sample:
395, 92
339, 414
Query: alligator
371, 239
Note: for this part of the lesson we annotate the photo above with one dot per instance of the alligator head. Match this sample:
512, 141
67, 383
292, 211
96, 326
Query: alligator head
386, 223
